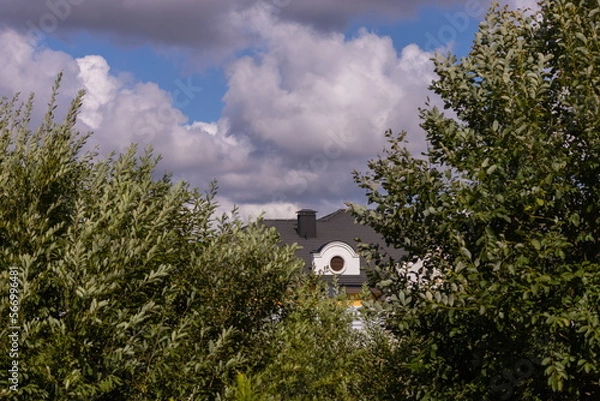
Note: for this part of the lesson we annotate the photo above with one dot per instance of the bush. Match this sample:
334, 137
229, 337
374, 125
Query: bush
130, 287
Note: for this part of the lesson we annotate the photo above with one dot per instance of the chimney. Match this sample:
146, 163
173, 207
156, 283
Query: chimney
307, 223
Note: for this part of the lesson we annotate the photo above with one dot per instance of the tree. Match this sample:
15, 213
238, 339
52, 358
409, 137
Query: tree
503, 213
129, 287
313, 354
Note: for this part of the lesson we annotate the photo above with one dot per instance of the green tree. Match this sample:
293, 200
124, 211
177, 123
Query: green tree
503, 213
313, 354
130, 287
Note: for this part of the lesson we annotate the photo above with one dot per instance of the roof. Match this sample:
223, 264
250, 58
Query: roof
337, 226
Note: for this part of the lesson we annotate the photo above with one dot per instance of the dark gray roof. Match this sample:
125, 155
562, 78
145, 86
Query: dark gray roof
337, 226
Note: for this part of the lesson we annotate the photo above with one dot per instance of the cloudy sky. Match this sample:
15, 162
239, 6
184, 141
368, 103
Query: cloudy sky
278, 100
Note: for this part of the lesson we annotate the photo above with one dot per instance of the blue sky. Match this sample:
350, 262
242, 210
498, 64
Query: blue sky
278, 100
148, 65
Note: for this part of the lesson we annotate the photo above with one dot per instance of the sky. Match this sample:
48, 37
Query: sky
279, 101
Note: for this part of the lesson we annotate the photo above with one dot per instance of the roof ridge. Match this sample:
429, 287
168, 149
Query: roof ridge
332, 215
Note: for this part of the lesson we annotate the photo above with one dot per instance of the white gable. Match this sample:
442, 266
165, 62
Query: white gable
336, 257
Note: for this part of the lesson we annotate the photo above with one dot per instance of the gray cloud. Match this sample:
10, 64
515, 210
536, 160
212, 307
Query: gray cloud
295, 123
211, 28
299, 115
326, 15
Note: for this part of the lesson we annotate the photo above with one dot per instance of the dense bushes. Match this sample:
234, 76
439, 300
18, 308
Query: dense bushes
131, 287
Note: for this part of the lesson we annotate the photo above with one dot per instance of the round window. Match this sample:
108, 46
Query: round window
336, 264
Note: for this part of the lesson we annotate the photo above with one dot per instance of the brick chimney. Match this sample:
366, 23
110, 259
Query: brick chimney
307, 223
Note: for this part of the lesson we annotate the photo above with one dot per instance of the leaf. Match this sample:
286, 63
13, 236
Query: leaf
491, 169
465, 252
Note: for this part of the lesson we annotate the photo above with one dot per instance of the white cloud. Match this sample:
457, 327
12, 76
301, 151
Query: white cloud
100, 88
300, 114
309, 85
298, 118
25, 68
119, 112
322, 102
251, 211
524, 4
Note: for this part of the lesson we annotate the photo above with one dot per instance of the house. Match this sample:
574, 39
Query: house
330, 245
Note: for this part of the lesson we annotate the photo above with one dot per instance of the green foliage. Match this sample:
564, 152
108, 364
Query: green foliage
243, 389
131, 288
314, 353
503, 213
